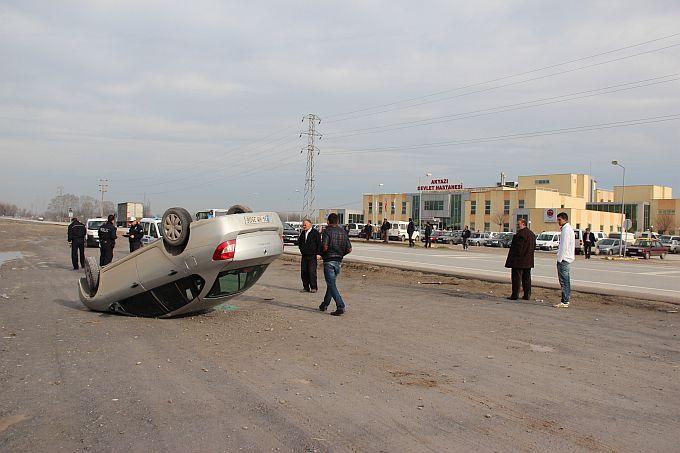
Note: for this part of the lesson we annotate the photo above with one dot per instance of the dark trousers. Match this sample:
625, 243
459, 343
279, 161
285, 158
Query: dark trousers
587, 246
465, 244
410, 240
428, 242
521, 277
77, 247
134, 245
308, 272
106, 255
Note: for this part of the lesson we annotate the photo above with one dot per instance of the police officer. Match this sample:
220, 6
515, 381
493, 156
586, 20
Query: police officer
135, 234
76, 239
107, 240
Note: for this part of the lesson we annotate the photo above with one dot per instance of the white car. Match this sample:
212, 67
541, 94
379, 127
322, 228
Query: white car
548, 240
355, 229
672, 242
197, 265
92, 226
479, 238
399, 232
152, 229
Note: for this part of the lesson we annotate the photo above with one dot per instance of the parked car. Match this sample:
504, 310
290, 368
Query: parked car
355, 229
502, 240
672, 242
447, 237
609, 247
479, 238
197, 265
548, 240
92, 226
210, 213
152, 229
647, 248
629, 238
290, 234
398, 232
433, 237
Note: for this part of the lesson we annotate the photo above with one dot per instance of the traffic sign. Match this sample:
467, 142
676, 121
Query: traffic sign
627, 224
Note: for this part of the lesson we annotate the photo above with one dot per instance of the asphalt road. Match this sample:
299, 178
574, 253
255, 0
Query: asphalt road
408, 368
654, 279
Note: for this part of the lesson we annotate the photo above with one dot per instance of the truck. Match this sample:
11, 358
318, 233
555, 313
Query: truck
127, 210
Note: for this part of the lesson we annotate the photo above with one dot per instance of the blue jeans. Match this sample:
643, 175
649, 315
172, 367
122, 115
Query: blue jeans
331, 270
563, 277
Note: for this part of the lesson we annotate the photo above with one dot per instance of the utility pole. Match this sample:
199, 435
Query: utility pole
312, 149
103, 188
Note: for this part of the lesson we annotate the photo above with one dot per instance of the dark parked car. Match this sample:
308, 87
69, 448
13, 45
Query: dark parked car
446, 238
503, 240
290, 234
434, 237
646, 248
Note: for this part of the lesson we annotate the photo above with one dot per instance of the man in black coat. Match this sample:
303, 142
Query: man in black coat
76, 239
466, 235
428, 233
521, 259
107, 240
368, 231
385, 231
309, 244
410, 229
588, 242
135, 234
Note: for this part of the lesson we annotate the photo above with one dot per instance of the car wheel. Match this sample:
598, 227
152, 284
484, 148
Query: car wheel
610, 252
92, 270
402, 238
663, 256
175, 225
647, 255
239, 209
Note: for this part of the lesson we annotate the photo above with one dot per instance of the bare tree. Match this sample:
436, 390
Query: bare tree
665, 223
500, 219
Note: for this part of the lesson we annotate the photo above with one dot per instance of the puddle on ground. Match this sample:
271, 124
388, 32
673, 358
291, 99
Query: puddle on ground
9, 256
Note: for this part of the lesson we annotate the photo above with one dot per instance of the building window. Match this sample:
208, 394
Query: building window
392, 208
506, 207
487, 226
601, 228
487, 207
380, 207
403, 208
370, 207
472, 226
539, 182
506, 227
434, 205
473, 207
521, 204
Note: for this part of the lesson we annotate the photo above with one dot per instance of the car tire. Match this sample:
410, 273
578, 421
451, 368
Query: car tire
663, 256
610, 252
92, 271
239, 209
175, 226
647, 255
402, 238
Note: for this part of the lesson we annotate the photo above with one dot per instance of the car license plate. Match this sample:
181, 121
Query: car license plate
252, 219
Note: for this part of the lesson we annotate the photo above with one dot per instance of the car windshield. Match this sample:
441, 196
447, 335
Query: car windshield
544, 237
608, 242
95, 224
665, 238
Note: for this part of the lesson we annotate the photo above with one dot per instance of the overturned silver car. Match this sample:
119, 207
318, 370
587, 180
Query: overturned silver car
197, 265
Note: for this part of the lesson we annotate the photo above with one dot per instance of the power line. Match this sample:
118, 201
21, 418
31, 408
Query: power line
312, 150
585, 128
498, 79
509, 107
103, 188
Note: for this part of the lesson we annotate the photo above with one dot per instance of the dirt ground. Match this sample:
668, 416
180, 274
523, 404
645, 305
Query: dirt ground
410, 367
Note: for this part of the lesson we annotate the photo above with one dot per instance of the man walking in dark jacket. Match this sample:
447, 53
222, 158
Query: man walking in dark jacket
588, 242
410, 229
334, 246
521, 259
309, 244
107, 240
428, 233
385, 231
76, 239
466, 235
368, 231
135, 234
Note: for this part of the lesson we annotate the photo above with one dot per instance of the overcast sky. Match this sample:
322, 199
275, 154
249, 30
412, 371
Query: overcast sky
199, 104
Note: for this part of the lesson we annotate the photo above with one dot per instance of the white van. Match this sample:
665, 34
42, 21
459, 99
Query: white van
548, 240
399, 232
628, 237
355, 229
152, 229
578, 239
92, 226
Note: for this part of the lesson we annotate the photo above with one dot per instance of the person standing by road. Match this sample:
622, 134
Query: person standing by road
521, 260
76, 239
334, 246
428, 233
410, 229
309, 244
107, 240
588, 242
565, 256
135, 234
385, 231
368, 231
466, 235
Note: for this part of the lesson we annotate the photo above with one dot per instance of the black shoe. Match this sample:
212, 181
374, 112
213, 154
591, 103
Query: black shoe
528, 297
337, 312
323, 307
511, 298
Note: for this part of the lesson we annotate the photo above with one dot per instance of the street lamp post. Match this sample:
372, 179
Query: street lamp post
375, 203
623, 206
420, 201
